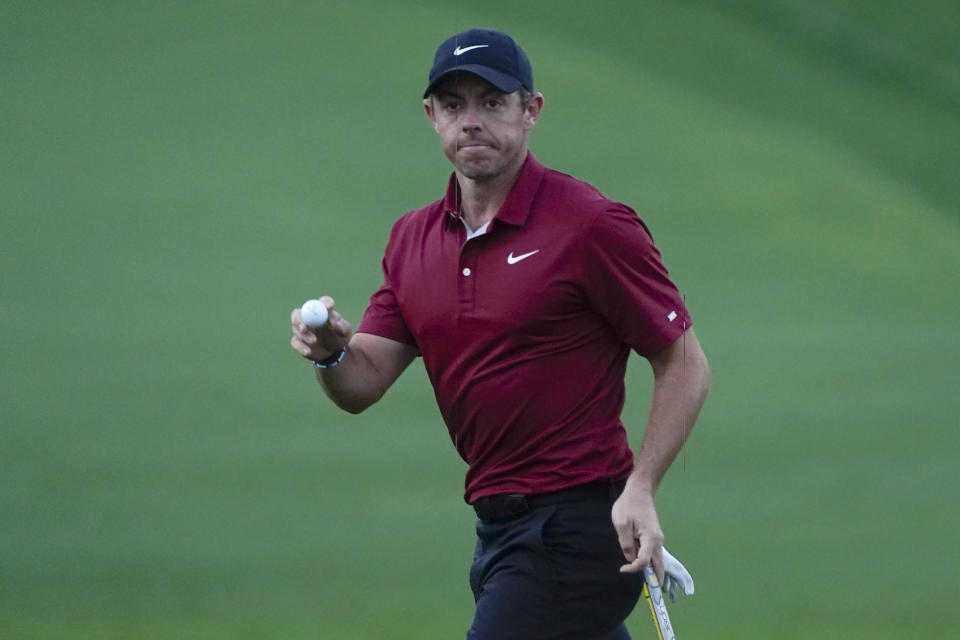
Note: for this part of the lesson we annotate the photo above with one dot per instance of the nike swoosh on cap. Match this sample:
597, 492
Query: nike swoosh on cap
511, 259
459, 51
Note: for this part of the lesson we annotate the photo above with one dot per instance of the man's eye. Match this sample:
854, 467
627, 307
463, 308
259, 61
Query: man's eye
493, 103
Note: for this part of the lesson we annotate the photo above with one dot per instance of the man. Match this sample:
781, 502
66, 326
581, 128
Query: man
524, 290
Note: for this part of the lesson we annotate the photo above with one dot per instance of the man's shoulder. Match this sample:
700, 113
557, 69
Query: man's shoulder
419, 220
554, 179
563, 192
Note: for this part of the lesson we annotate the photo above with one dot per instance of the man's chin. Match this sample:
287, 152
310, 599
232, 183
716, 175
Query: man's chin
479, 171
478, 176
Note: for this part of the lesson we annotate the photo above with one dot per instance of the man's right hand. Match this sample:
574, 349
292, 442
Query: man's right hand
319, 343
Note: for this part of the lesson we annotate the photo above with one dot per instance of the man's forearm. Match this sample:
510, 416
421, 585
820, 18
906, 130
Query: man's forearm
351, 385
368, 368
681, 380
681, 383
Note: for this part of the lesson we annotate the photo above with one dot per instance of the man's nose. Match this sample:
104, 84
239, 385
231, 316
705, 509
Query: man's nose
470, 118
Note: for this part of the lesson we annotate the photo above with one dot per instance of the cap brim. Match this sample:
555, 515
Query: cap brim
502, 81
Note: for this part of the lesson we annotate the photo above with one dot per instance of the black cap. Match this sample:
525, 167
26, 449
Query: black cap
488, 53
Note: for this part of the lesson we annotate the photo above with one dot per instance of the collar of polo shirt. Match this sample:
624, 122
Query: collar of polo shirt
515, 209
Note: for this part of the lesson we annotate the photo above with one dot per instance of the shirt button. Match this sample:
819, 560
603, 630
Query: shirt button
466, 271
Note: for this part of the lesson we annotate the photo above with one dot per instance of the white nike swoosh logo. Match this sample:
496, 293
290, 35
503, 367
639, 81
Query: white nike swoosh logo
459, 51
511, 259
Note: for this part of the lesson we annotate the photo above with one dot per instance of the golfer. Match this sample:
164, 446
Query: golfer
524, 291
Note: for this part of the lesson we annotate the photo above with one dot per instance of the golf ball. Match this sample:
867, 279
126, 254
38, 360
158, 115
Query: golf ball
314, 313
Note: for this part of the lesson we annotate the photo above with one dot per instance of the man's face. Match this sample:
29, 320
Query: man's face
482, 130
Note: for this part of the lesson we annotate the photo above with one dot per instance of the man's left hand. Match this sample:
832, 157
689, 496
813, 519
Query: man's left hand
638, 530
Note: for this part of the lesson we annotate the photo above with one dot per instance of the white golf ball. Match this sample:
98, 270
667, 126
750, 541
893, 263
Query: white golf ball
314, 313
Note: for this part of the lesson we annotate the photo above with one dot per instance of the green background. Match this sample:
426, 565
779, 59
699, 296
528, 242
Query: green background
175, 177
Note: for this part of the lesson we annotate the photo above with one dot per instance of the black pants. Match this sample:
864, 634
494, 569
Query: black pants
552, 573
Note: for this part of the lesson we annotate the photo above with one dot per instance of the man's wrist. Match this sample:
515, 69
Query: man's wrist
639, 481
332, 360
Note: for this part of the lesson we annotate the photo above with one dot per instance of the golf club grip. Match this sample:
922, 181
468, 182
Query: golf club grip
658, 608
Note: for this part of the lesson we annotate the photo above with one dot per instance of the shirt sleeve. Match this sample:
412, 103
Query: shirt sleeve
628, 285
383, 316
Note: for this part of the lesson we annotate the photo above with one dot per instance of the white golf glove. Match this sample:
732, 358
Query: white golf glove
677, 579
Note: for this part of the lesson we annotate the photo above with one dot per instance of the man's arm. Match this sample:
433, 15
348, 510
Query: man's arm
681, 381
370, 365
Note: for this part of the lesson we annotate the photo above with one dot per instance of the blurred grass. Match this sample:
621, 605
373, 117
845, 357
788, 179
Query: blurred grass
174, 178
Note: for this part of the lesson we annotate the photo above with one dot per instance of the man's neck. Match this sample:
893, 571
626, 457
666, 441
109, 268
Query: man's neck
481, 199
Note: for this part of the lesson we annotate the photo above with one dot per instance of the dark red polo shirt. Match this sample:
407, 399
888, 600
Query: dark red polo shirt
525, 331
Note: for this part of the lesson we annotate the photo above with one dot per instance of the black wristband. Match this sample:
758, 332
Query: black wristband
332, 360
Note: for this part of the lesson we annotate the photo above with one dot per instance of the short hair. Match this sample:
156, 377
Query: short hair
525, 95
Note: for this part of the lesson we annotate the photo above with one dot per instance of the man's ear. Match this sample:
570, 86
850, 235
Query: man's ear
533, 109
428, 107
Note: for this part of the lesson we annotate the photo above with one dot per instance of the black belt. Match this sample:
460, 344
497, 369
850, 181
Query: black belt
507, 505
